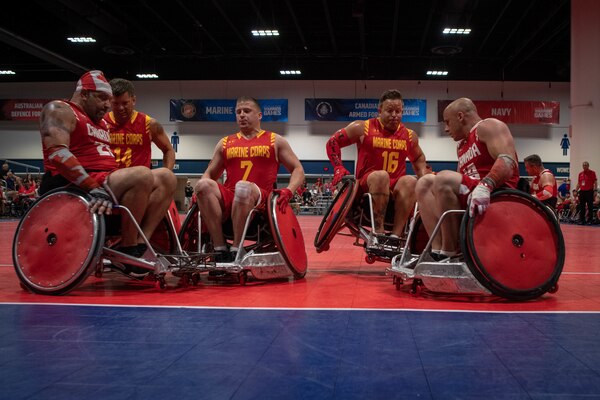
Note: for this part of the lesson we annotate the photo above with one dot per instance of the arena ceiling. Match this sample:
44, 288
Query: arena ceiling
325, 39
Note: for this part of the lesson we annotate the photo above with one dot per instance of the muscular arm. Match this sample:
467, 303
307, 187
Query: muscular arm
288, 158
499, 141
217, 164
417, 157
342, 138
547, 182
161, 140
56, 124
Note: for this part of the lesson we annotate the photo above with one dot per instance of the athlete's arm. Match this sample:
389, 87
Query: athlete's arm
217, 164
161, 140
288, 158
417, 157
500, 144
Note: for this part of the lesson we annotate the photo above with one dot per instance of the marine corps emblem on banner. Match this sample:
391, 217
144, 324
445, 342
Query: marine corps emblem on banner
188, 110
323, 109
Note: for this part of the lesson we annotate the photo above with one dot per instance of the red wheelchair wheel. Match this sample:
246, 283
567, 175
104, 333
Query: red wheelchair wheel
188, 234
288, 237
163, 239
336, 214
418, 236
58, 242
516, 249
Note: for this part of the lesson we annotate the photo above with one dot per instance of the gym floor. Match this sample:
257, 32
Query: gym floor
343, 332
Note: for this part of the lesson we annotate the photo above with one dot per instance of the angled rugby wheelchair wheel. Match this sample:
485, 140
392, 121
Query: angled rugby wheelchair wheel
58, 242
516, 249
188, 234
336, 214
287, 236
164, 238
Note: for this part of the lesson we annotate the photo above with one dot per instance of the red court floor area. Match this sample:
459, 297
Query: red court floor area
338, 278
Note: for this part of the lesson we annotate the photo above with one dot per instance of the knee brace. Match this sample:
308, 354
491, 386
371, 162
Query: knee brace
243, 192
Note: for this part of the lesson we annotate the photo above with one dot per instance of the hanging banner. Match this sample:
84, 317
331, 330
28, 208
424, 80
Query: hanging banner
415, 110
273, 110
513, 112
21, 109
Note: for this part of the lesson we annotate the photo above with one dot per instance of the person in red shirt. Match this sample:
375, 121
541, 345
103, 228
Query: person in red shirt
251, 159
587, 184
543, 185
486, 160
383, 144
76, 147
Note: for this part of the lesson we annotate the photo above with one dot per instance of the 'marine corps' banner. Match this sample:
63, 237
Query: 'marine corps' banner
21, 109
513, 112
273, 110
415, 110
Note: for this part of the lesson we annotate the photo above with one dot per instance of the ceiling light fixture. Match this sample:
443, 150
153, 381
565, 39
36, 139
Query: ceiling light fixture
456, 31
81, 39
265, 32
290, 72
437, 73
147, 76
7, 72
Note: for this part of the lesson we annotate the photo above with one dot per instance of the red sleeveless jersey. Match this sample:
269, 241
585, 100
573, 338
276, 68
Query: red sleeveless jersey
89, 142
250, 160
131, 142
535, 184
381, 150
475, 161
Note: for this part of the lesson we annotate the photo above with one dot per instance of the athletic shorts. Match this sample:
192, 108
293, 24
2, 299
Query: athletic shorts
227, 196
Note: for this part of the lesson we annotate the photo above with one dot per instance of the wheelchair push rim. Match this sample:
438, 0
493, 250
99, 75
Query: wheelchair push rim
58, 242
516, 249
288, 237
336, 214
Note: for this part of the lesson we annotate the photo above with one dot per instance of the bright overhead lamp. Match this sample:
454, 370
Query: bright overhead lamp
81, 39
7, 72
290, 72
456, 31
437, 73
147, 76
265, 32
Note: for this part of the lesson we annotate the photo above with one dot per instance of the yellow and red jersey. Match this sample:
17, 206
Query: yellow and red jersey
131, 142
252, 160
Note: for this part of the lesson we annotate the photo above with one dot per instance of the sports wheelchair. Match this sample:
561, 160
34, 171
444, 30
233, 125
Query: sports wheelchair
273, 245
515, 251
59, 243
346, 211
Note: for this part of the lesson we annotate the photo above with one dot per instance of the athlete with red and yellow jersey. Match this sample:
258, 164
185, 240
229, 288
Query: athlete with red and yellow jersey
383, 144
251, 159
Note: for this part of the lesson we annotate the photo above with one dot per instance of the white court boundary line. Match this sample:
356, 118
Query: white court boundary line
297, 308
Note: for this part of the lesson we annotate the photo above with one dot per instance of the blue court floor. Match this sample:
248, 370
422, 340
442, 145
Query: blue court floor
118, 352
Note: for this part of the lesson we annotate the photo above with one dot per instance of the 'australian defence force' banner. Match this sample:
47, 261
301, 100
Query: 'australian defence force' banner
21, 109
415, 110
273, 110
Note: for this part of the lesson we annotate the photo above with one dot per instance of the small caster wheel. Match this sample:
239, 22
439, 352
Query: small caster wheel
553, 289
243, 278
415, 287
398, 283
394, 279
98, 273
369, 259
195, 279
160, 283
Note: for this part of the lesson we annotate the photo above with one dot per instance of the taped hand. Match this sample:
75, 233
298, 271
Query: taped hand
285, 195
338, 173
479, 199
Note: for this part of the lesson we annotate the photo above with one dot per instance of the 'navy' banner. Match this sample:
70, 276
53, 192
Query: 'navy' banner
273, 110
415, 110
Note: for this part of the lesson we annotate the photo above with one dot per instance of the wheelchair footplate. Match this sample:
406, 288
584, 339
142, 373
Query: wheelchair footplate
449, 276
260, 266
381, 247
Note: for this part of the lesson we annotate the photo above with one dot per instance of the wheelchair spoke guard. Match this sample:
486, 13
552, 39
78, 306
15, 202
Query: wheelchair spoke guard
288, 237
58, 242
516, 249
336, 214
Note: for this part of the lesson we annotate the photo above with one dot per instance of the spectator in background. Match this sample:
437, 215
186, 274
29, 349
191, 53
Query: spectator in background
587, 185
564, 189
189, 192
